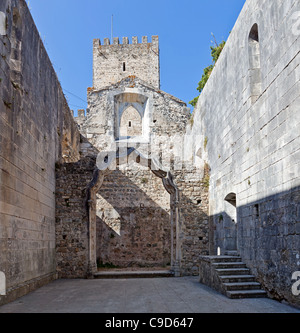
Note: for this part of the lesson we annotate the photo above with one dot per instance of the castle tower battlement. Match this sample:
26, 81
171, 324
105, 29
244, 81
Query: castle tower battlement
125, 41
114, 61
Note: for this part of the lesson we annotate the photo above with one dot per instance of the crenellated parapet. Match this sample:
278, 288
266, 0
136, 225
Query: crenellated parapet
125, 41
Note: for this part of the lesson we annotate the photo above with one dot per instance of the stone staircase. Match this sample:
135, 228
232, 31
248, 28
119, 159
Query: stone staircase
230, 276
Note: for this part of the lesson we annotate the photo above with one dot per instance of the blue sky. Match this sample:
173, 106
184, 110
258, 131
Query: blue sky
68, 28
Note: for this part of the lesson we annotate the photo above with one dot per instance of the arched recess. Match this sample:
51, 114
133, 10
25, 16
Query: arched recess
254, 63
131, 124
231, 198
106, 163
127, 102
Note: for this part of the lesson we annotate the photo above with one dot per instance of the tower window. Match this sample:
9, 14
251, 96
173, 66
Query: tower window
124, 67
130, 124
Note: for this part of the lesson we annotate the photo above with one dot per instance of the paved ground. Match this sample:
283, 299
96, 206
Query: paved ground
158, 295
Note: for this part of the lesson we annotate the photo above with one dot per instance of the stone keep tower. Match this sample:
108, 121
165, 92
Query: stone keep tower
112, 63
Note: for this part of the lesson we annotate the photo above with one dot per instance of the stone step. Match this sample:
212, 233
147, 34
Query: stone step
224, 265
246, 294
237, 278
242, 286
222, 259
132, 274
233, 271
232, 253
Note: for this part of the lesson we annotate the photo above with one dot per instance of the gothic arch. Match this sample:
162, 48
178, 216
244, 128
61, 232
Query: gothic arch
131, 122
129, 100
106, 163
254, 63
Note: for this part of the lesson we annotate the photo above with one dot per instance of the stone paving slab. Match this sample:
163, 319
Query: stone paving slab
158, 295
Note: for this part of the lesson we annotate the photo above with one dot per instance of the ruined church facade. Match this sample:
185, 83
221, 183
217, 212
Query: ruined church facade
139, 224
133, 180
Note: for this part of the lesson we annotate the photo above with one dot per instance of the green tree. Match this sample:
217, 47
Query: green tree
215, 54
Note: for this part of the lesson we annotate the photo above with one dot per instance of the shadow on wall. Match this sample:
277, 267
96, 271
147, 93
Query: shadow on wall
195, 228
135, 230
71, 228
225, 234
133, 224
268, 240
132, 229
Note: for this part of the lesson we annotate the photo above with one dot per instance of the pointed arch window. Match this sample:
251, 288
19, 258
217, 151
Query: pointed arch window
254, 64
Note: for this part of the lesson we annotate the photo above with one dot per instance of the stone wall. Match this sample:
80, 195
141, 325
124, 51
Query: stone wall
72, 220
37, 130
161, 113
269, 236
114, 62
133, 210
133, 222
194, 219
246, 126
131, 123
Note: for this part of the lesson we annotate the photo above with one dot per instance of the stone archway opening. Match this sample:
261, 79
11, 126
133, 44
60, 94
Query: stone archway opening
230, 223
231, 198
107, 163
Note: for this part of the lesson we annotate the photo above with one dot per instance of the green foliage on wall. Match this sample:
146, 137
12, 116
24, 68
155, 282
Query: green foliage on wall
215, 54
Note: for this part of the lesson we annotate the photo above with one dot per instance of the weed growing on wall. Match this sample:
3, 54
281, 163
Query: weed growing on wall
215, 54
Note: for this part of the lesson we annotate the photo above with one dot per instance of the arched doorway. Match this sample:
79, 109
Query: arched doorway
106, 163
230, 223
